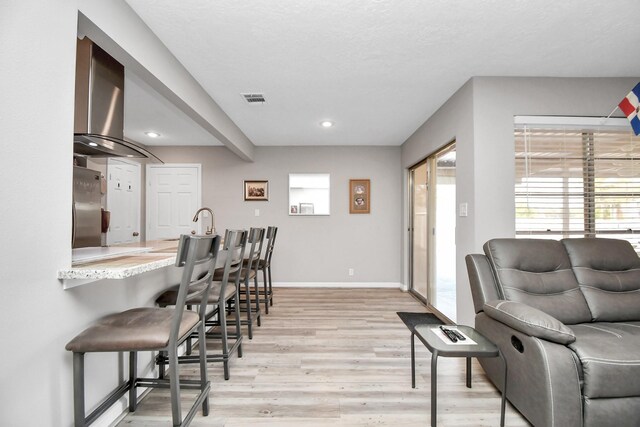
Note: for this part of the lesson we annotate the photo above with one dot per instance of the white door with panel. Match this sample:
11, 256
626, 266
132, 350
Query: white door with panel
123, 201
173, 197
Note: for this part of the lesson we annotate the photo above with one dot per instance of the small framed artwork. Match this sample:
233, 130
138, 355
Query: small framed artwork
256, 190
359, 196
306, 208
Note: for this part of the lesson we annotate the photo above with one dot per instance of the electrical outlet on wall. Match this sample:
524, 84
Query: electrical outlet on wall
351, 272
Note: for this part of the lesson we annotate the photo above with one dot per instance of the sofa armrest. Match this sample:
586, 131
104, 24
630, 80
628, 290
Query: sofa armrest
530, 321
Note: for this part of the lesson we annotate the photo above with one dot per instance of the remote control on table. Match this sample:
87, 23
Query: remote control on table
458, 334
449, 334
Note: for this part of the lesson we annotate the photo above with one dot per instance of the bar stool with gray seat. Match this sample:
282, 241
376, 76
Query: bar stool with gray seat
248, 272
264, 264
221, 293
153, 329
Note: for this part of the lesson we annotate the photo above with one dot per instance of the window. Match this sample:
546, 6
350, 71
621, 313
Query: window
309, 193
577, 180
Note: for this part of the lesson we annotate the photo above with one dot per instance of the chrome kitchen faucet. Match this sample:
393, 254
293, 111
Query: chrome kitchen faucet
210, 230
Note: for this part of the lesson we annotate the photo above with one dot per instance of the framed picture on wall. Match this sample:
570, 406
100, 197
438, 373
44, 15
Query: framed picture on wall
359, 196
256, 190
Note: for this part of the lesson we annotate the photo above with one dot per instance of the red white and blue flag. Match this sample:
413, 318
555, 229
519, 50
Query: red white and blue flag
630, 106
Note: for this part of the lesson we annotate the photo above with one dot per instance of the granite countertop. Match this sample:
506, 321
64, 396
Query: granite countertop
118, 262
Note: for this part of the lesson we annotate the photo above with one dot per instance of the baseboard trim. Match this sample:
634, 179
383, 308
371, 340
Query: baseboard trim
393, 285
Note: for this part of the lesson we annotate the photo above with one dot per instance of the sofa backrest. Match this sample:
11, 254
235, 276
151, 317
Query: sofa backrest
608, 271
537, 272
481, 280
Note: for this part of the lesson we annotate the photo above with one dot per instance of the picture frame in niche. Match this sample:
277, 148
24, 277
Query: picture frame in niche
359, 196
256, 191
306, 208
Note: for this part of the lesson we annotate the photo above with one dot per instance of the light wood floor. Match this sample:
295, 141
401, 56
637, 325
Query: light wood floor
335, 357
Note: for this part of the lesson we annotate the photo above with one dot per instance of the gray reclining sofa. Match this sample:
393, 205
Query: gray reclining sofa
566, 316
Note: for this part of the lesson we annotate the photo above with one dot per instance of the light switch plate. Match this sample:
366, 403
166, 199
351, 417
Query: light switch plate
464, 207
257, 212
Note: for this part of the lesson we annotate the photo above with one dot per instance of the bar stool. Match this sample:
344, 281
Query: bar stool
221, 293
153, 329
264, 264
248, 272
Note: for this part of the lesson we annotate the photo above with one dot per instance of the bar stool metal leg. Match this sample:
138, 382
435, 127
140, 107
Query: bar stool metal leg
161, 368
133, 374
223, 334
247, 292
257, 288
78, 389
270, 287
238, 321
174, 387
203, 366
267, 297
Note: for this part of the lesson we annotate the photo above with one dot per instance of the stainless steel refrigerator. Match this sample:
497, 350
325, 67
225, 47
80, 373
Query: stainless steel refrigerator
87, 215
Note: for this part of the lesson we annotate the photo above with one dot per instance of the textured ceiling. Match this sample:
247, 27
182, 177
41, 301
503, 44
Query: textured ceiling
379, 69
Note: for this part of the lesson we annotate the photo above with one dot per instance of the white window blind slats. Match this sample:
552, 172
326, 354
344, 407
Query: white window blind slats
572, 183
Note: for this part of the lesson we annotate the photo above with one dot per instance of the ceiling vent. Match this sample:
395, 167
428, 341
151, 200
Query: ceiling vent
254, 98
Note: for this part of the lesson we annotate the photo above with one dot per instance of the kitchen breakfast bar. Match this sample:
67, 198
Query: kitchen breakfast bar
117, 262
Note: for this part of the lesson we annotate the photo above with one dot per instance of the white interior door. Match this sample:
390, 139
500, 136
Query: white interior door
173, 197
123, 201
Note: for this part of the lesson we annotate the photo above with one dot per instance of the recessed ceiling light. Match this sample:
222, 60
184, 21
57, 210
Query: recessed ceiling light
152, 134
93, 144
326, 124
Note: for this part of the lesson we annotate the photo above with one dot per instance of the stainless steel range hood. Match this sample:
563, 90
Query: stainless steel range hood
99, 106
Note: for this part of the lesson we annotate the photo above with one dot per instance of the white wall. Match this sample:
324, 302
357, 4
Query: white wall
310, 249
480, 117
36, 316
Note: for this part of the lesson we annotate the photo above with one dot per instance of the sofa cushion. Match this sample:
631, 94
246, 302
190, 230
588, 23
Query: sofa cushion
529, 320
608, 271
537, 272
610, 358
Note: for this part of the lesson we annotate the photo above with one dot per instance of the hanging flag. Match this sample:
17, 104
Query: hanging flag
630, 106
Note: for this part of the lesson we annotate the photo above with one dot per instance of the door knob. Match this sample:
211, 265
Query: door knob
136, 234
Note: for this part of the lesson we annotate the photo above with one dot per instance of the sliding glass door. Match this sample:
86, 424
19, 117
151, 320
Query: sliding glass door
432, 231
419, 227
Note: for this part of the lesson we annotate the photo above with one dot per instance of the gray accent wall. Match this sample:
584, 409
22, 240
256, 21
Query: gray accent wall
479, 116
310, 250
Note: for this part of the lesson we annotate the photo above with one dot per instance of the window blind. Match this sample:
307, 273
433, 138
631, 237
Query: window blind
574, 182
